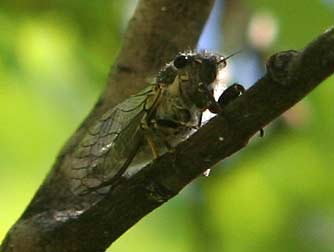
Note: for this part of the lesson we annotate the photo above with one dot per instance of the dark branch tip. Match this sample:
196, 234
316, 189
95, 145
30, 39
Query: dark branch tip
280, 65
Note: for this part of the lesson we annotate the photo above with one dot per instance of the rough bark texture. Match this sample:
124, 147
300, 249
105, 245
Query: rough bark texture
157, 31
51, 222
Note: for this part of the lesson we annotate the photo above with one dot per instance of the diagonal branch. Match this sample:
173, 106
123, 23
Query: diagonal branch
50, 222
291, 76
157, 31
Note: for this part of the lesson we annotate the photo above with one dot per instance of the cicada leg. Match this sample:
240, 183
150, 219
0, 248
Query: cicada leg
148, 134
261, 132
230, 94
153, 146
152, 135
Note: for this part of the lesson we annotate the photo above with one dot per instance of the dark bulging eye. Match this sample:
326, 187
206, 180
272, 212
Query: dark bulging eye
208, 71
167, 75
181, 61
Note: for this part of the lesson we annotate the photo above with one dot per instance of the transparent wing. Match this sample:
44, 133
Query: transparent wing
108, 148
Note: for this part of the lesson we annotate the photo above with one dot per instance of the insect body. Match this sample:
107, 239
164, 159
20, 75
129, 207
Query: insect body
150, 122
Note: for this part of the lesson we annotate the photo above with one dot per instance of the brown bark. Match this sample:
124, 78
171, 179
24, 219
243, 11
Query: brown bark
51, 222
157, 31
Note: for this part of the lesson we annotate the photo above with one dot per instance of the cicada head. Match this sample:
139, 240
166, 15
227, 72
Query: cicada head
167, 74
196, 75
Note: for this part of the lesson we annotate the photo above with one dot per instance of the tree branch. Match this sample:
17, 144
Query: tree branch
52, 223
291, 76
157, 31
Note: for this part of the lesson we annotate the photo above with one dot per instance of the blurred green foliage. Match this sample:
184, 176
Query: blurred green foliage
273, 196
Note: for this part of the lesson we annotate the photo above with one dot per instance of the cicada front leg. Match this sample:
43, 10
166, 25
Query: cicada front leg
153, 146
155, 139
148, 135
230, 94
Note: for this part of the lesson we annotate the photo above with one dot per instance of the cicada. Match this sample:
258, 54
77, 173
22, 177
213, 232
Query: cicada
147, 124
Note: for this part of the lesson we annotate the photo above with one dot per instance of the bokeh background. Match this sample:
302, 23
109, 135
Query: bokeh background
275, 195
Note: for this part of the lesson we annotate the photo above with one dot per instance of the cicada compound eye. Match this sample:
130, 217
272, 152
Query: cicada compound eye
181, 61
208, 70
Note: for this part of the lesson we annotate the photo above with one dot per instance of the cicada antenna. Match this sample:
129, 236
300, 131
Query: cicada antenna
231, 55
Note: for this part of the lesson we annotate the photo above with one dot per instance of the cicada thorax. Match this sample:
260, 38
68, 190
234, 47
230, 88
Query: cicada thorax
174, 115
185, 91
